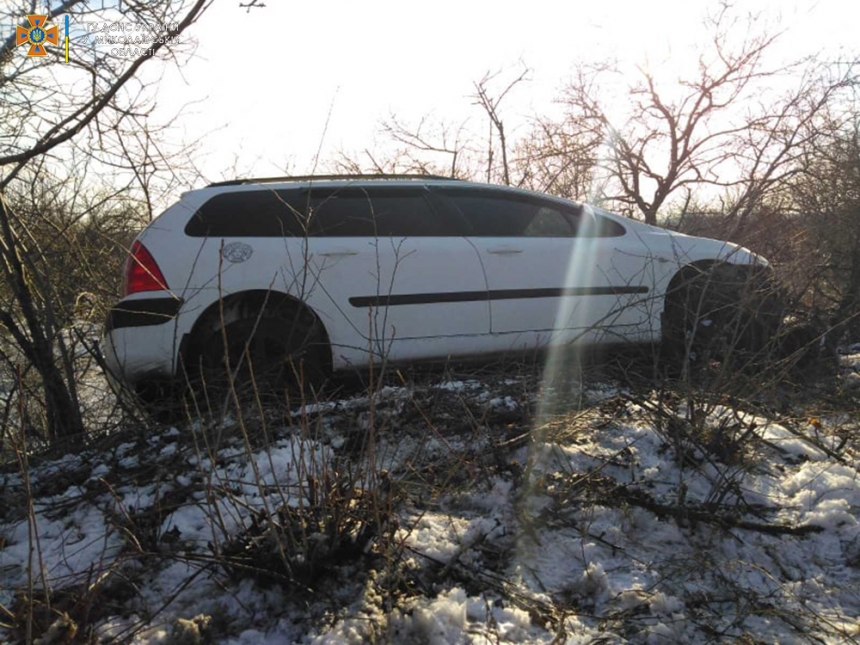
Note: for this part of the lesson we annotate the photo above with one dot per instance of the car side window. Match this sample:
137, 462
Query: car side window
355, 212
325, 212
495, 214
391, 211
549, 222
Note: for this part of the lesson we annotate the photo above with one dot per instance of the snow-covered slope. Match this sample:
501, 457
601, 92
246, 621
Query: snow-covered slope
479, 515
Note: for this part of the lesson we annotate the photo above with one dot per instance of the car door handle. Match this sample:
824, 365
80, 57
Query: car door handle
338, 253
504, 250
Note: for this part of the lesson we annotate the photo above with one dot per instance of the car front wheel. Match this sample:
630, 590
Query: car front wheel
721, 313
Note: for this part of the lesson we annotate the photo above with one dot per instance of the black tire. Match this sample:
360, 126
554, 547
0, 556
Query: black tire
803, 347
262, 351
723, 313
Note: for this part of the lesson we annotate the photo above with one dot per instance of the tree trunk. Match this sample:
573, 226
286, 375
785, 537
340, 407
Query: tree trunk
62, 412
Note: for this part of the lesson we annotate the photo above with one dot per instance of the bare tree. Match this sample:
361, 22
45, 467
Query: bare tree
490, 104
827, 197
717, 128
558, 157
428, 147
52, 111
440, 147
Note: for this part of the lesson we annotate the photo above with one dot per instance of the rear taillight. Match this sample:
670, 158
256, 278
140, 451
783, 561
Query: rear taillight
141, 272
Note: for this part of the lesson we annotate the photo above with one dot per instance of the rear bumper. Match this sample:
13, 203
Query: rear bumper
144, 312
140, 341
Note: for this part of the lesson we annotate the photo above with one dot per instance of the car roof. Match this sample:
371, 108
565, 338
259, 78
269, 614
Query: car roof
353, 180
338, 178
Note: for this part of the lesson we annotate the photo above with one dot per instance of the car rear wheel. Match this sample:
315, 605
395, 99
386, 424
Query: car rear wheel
262, 352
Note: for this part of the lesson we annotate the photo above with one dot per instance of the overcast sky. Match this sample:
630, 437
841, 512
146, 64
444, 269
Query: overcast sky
264, 83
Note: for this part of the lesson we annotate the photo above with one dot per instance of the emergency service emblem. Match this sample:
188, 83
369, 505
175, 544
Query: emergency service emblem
38, 34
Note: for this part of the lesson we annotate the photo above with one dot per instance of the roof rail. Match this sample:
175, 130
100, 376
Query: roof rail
266, 180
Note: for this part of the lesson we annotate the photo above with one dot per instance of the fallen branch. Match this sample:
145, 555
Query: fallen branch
692, 514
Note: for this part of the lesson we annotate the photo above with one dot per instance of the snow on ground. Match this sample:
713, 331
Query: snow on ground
633, 516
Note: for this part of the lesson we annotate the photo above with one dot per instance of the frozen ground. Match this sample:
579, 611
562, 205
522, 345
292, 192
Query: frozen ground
462, 510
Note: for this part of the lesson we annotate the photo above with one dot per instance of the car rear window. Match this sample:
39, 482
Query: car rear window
326, 212
251, 213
